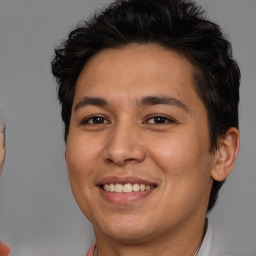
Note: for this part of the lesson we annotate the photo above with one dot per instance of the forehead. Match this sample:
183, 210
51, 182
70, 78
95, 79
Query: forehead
135, 71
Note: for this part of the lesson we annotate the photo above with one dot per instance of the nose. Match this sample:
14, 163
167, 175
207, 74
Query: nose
123, 146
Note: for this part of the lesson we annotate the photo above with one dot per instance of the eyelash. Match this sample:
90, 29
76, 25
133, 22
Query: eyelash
163, 120
94, 118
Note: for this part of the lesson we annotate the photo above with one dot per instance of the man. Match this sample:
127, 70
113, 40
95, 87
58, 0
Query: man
149, 93
4, 249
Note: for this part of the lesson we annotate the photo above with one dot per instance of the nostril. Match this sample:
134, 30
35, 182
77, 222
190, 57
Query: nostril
121, 161
109, 160
130, 160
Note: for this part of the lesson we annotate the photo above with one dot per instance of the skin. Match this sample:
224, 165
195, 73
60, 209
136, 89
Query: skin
2, 148
171, 152
4, 249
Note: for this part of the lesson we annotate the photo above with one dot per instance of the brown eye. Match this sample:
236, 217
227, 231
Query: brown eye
96, 120
159, 120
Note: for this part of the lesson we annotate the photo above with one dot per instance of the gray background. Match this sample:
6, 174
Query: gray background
38, 215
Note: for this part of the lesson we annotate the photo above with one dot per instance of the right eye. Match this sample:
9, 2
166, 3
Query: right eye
95, 120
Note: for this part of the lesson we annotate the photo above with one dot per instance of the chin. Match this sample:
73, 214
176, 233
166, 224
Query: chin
125, 230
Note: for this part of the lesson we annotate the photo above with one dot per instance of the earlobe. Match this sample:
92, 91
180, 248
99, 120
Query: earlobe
226, 155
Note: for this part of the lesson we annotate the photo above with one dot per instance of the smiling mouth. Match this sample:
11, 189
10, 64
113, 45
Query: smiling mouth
126, 188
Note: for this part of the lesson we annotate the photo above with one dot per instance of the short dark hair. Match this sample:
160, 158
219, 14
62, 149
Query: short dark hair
177, 25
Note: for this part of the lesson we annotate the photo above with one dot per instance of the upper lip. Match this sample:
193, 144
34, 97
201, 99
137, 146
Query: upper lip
124, 180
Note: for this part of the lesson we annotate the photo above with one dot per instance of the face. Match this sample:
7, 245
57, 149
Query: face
138, 146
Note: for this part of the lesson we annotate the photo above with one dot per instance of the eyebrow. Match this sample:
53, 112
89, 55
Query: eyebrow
145, 101
161, 100
90, 101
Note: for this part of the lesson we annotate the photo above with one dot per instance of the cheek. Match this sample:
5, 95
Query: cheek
81, 158
174, 150
185, 164
182, 156
81, 152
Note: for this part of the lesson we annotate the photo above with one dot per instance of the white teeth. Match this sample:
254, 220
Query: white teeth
126, 188
142, 187
136, 187
106, 187
118, 188
111, 188
147, 188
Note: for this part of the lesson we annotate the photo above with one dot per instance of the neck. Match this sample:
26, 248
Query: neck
176, 243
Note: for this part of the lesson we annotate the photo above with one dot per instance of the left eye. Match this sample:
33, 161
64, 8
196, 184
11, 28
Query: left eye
159, 120
96, 120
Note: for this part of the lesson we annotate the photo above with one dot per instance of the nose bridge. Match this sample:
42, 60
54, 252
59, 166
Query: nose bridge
123, 143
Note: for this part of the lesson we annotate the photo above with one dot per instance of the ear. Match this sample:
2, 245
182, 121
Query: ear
226, 154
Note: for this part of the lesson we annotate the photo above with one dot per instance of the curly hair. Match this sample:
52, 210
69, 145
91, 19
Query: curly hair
177, 25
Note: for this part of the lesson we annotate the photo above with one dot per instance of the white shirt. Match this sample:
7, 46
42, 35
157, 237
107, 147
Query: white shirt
211, 245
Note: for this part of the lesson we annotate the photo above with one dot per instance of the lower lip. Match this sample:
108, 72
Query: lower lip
124, 198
